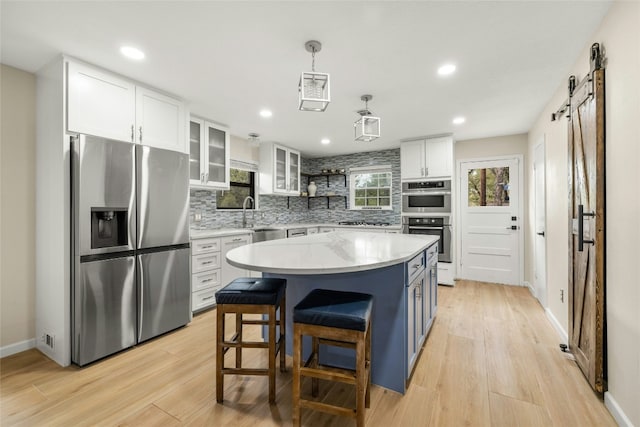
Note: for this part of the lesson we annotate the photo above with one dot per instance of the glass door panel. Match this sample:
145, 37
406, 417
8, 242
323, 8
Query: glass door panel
281, 169
195, 161
294, 168
217, 154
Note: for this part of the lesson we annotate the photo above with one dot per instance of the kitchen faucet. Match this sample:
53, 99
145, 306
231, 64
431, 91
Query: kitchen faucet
244, 211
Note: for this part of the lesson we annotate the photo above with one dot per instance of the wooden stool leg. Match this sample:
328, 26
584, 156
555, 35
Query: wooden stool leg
219, 354
315, 348
282, 345
272, 354
360, 381
367, 399
297, 350
239, 340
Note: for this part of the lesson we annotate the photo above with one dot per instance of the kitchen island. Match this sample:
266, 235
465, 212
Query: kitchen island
399, 270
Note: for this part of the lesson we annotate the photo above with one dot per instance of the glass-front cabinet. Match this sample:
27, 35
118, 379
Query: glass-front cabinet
279, 170
209, 154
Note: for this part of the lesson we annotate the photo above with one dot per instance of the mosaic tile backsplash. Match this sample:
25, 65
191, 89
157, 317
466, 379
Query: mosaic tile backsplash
273, 209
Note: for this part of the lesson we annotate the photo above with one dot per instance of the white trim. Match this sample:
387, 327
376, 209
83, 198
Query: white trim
616, 411
369, 168
242, 165
18, 347
458, 215
526, 284
557, 326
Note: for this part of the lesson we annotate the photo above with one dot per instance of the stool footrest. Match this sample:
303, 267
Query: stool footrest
336, 343
257, 322
331, 373
330, 409
244, 371
245, 344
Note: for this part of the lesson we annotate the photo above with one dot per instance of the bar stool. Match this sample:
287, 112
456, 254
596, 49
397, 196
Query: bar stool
251, 296
335, 318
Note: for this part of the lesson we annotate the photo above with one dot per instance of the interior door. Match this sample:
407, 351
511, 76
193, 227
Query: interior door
587, 221
540, 262
490, 221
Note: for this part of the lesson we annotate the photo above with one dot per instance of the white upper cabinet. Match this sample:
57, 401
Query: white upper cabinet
160, 120
209, 154
430, 158
102, 104
279, 170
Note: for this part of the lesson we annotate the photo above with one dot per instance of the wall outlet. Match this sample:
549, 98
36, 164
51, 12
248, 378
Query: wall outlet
48, 340
197, 216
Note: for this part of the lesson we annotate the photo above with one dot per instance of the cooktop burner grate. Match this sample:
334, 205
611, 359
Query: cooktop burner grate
380, 224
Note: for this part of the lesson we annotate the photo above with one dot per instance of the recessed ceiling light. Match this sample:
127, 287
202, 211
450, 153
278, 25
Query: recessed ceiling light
446, 69
266, 113
459, 120
132, 52
326, 141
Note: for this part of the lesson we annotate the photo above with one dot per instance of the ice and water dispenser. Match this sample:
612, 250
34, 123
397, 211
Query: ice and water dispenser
109, 227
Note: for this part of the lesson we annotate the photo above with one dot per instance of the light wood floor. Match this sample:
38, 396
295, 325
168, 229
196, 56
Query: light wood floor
491, 359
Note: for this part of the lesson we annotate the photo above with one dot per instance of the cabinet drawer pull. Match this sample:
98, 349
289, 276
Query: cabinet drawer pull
207, 298
238, 239
207, 280
207, 262
417, 265
207, 247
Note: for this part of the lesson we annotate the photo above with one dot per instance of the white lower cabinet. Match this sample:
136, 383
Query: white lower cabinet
325, 229
205, 272
229, 272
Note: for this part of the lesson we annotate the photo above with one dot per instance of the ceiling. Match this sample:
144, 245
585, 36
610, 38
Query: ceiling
230, 59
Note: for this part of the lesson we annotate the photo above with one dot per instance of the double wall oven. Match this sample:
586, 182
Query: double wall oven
426, 209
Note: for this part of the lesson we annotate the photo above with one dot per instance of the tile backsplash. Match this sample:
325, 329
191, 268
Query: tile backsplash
273, 209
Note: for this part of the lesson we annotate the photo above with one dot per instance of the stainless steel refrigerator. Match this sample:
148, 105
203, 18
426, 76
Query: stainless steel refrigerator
131, 278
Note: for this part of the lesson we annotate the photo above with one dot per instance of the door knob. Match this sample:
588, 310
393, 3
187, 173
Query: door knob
512, 227
540, 233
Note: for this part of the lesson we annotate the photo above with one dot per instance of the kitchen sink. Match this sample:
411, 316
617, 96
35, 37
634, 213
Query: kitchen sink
261, 234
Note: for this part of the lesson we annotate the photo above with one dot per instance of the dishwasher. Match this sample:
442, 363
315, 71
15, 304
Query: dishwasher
296, 232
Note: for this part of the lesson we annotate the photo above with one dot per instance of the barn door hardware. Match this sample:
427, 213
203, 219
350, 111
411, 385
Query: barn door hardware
596, 61
581, 215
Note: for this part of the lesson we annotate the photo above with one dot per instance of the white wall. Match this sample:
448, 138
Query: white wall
17, 210
619, 34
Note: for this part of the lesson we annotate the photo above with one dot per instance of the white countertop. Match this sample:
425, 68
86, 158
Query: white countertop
218, 232
329, 253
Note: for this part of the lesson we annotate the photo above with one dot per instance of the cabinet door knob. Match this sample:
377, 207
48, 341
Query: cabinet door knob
132, 134
141, 134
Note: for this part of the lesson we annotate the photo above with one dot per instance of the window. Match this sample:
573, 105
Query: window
489, 187
242, 184
370, 188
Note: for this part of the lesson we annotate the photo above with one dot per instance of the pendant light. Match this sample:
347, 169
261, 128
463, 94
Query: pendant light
367, 128
254, 140
313, 87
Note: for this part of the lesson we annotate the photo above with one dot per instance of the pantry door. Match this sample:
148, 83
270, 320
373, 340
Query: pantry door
491, 220
587, 229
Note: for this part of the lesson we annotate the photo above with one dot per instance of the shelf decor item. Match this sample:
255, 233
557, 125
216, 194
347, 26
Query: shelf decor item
311, 188
367, 128
313, 87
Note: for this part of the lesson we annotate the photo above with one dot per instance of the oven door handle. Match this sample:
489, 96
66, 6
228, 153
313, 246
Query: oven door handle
427, 193
413, 227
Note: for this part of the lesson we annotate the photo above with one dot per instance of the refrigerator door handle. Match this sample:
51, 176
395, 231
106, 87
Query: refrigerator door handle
139, 284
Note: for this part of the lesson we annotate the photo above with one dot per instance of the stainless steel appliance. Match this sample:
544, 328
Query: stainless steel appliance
130, 239
296, 232
434, 226
426, 197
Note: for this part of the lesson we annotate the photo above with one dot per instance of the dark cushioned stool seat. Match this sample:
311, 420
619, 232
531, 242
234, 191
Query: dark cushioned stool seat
336, 309
248, 290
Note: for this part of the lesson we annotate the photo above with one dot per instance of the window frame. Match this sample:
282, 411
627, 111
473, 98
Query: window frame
251, 185
353, 175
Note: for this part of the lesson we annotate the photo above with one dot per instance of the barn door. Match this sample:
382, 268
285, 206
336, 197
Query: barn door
587, 222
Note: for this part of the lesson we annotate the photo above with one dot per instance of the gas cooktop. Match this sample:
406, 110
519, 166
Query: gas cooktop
377, 224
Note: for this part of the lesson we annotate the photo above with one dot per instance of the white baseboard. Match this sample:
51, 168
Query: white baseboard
528, 285
564, 337
615, 410
10, 349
